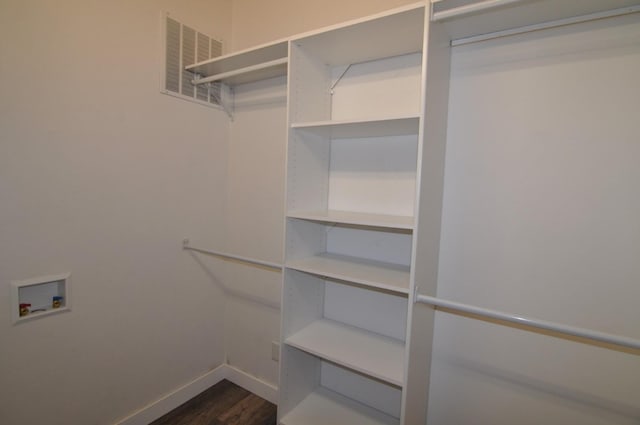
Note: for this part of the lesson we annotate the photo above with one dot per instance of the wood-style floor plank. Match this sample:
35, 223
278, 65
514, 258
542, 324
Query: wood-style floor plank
223, 404
250, 410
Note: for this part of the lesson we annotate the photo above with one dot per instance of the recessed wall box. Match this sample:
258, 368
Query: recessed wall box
46, 295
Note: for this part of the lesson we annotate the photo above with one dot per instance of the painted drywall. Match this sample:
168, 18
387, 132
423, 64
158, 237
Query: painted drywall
102, 176
257, 21
540, 218
255, 203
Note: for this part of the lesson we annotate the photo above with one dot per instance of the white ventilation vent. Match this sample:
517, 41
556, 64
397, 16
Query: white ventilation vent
185, 46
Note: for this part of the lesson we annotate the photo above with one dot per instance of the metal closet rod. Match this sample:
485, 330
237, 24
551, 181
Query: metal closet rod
249, 260
464, 308
535, 323
546, 25
465, 10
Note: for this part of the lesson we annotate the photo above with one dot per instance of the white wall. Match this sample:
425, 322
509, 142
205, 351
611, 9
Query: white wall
255, 203
259, 21
540, 218
102, 176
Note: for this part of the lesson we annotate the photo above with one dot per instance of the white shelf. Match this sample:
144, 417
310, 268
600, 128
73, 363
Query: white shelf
252, 73
501, 15
386, 127
323, 407
356, 218
393, 33
374, 355
266, 61
391, 277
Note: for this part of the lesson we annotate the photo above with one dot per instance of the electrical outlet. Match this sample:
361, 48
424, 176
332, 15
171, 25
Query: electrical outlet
275, 351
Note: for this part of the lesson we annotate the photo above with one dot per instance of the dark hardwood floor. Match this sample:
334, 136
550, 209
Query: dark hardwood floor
223, 404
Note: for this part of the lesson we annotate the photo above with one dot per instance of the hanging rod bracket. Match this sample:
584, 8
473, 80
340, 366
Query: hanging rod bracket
217, 95
219, 98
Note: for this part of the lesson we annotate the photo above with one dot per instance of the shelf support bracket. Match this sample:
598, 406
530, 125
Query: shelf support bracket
220, 101
217, 95
339, 78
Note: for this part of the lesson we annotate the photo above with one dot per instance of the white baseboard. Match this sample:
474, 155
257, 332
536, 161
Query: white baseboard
164, 405
251, 383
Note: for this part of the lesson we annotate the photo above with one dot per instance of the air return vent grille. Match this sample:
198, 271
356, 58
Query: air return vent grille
185, 46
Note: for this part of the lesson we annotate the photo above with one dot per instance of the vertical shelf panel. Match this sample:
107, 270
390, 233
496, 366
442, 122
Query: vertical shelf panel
426, 248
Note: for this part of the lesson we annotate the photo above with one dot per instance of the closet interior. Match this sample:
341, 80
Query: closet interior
367, 129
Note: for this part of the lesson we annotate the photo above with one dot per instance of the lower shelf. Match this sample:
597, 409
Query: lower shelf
324, 407
374, 355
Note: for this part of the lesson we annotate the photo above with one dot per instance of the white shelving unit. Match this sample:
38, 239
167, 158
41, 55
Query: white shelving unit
354, 134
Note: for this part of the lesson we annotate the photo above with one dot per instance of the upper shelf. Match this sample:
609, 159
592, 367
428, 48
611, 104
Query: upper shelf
259, 63
392, 33
465, 19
